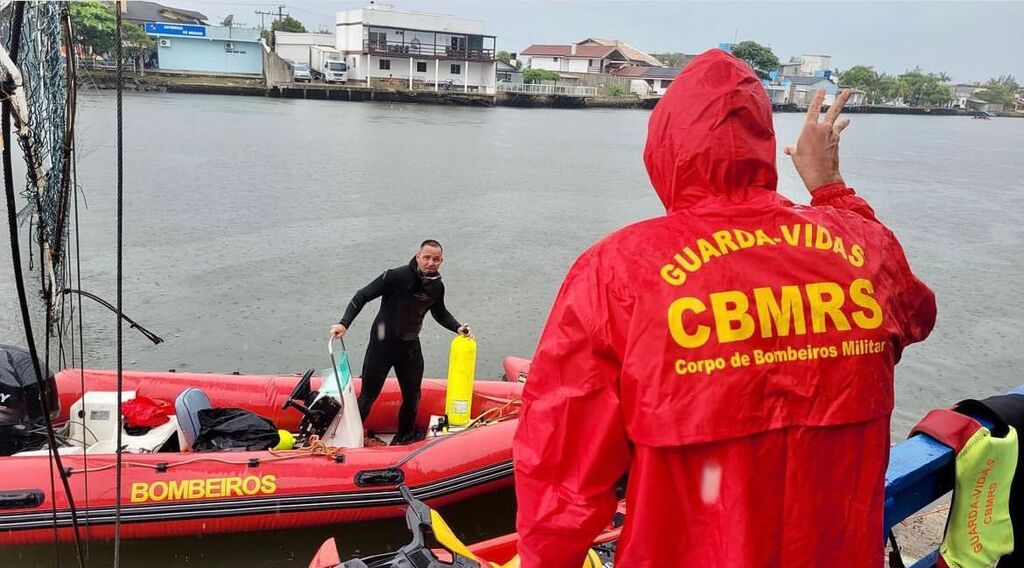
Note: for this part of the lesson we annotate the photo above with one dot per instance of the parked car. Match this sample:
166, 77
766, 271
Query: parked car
300, 72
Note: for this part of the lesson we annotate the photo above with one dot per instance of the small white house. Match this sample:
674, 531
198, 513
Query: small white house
574, 58
649, 81
803, 89
430, 50
857, 96
778, 93
961, 93
811, 65
807, 66
791, 69
508, 73
295, 46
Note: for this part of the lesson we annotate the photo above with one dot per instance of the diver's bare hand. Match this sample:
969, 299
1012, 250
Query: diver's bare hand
816, 154
338, 331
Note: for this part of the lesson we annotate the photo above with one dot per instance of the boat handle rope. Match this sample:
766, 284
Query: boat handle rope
477, 422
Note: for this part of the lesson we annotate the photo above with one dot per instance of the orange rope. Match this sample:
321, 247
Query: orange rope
317, 448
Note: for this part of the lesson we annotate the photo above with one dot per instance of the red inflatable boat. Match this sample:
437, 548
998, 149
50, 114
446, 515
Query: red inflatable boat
516, 369
169, 492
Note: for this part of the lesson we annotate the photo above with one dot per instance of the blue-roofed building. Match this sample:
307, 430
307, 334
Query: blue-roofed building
802, 89
217, 50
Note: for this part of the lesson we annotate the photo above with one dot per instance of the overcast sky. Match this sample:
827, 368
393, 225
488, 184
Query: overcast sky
970, 41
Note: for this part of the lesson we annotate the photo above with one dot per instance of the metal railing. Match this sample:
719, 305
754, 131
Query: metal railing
428, 50
534, 89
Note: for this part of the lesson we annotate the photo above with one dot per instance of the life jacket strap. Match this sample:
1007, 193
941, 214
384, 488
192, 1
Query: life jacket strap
948, 426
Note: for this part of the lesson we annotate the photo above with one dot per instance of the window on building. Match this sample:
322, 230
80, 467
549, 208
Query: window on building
378, 40
421, 66
590, 63
456, 68
555, 59
385, 64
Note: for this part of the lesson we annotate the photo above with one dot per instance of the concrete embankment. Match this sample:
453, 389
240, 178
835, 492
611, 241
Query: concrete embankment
252, 86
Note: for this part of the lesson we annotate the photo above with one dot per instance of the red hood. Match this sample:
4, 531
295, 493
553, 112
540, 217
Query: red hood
711, 135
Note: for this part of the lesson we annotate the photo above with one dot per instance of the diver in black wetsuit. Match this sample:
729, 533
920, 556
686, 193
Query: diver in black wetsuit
407, 293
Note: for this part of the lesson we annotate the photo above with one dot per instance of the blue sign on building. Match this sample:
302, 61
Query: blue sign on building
725, 47
187, 30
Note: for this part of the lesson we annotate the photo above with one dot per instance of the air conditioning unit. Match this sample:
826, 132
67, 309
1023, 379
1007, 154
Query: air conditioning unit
228, 45
165, 42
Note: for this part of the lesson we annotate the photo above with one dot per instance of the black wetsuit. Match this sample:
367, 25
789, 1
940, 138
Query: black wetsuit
406, 297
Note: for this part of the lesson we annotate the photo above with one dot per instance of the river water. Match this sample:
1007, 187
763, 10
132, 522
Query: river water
250, 222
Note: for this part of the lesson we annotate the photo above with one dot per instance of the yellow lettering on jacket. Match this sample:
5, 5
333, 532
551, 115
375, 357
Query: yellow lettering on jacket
676, 313
776, 317
820, 307
732, 323
776, 312
860, 292
702, 250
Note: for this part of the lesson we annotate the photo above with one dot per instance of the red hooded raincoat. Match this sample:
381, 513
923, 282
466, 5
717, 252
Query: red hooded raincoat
735, 356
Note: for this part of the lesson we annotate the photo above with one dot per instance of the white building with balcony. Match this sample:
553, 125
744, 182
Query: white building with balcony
961, 93
416, 50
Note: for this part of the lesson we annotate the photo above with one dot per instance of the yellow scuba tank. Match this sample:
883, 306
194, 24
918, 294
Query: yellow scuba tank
458, 400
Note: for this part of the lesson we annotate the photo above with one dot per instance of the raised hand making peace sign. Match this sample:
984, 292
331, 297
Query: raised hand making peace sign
816, 154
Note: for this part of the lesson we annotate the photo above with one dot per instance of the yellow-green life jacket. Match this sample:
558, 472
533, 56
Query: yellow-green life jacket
979, 530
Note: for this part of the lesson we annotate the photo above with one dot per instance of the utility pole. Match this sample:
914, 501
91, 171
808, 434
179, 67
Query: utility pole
261, 14
280, 14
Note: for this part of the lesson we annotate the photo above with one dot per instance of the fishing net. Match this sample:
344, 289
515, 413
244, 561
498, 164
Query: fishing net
45, 131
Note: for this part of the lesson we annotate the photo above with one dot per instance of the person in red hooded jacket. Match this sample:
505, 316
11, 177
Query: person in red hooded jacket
734, 356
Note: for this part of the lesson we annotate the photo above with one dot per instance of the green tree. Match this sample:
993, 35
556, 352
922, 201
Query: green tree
864, 78
759, 57
859, 76
936, 94
95, 27
288, 24
917, 88
1002, 89
538, 75
887, 87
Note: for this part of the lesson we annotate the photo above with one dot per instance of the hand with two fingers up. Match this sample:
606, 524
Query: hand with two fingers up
816, 153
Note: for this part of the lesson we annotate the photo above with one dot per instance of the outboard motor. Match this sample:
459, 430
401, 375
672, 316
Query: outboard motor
22, 423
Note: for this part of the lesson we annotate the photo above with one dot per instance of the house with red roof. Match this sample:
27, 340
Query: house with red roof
588, 56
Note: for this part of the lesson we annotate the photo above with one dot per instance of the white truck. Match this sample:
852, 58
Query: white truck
327, 64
